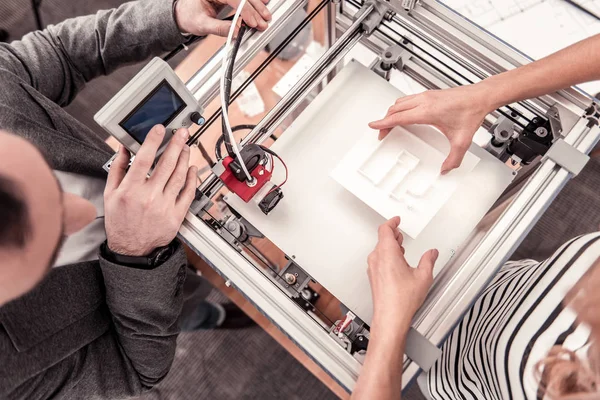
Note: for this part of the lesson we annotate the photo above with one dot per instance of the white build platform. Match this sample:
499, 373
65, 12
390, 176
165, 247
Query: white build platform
327, 228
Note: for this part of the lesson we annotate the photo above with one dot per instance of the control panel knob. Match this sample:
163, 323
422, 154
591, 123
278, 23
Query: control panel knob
197, 118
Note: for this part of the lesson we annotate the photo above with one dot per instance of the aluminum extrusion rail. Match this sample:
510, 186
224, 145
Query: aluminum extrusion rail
298, 92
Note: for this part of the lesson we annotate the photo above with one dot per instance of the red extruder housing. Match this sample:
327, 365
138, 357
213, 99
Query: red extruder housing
241, 188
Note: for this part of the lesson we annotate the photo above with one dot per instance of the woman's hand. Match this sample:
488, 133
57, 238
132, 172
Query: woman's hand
398, 290
456, 112
199, 17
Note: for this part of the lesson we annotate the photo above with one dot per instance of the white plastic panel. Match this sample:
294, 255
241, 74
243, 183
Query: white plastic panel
328, 229
400, 175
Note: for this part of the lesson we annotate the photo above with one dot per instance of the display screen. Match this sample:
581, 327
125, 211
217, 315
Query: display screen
160, 107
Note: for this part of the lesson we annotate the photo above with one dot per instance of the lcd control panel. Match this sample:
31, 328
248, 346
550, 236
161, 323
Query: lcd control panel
155, 96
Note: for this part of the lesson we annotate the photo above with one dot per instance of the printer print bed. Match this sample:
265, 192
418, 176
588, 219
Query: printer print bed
328, 229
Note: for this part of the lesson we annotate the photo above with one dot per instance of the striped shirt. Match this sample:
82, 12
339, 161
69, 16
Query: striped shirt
493, 351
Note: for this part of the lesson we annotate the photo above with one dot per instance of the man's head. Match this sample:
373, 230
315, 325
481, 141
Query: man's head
35, 216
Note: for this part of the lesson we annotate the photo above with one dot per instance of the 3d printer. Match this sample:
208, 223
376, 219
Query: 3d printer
342, 182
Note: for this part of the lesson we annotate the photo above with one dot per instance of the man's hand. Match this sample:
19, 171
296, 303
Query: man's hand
456, 112
398, 290
144, 213
199, 17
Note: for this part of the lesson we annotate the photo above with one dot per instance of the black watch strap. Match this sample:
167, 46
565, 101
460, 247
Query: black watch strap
152, 260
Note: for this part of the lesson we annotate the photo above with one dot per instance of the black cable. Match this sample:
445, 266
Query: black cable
220, 139
274, 53
205, 154
189, 42
584, 9
228, 82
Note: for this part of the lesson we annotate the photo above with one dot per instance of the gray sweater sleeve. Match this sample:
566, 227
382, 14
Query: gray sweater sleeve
145, 306
60, 59
136, 324
138, 350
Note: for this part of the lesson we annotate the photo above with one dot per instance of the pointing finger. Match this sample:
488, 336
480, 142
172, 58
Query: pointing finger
145, 156
184, 201
178, 177
168, 160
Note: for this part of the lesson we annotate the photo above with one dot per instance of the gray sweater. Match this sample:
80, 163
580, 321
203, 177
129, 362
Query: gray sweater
94, 329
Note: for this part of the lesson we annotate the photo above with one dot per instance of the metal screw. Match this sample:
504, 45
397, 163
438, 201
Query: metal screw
541, 132
261, 172
290, 279
228, 283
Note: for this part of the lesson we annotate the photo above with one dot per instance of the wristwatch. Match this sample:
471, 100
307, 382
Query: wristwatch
152, 260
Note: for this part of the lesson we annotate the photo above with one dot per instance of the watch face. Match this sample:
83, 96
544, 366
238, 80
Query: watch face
163, 255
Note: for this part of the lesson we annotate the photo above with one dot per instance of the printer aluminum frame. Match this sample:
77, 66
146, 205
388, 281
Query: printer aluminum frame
463, 53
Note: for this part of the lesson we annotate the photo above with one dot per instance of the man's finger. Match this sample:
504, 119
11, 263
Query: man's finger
169, 158
428, 260
221, 28
118, 169
454, 159
249, 14
145, 156
184, 201
178, 177
262, 11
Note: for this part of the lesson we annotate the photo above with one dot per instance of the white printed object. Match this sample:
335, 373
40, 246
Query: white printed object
400, 175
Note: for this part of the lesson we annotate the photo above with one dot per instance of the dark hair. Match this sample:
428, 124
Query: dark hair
15, 226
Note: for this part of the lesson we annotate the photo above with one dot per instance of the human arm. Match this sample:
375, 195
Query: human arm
142, 214
459, 112
59, 60
105, 329
398, 292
